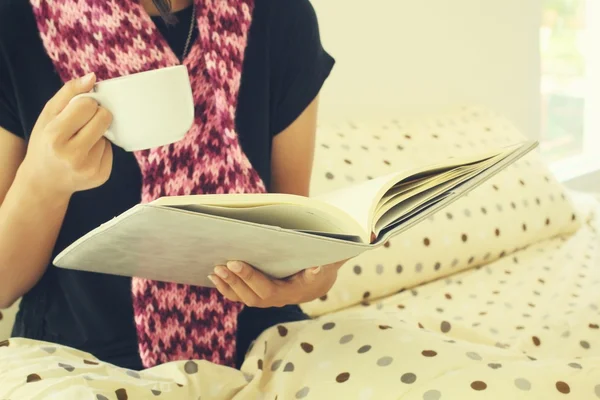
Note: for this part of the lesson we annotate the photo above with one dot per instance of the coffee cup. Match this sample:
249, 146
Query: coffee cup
150, 109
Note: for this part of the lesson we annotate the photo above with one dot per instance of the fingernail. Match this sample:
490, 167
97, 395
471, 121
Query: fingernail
316, 270
212, 279
87, 79
221, 272
234, 266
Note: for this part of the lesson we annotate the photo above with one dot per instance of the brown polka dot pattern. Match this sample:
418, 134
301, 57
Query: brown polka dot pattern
563, 387
121, 394
328, 326
429, 353
33, 378
501, 315
283, 331
364, 349
498, 208
307, 347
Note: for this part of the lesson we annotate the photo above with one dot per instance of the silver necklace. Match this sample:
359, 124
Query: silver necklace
189, 38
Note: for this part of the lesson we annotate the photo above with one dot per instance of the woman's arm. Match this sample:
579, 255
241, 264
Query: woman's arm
293, 154
66, 153
29, 223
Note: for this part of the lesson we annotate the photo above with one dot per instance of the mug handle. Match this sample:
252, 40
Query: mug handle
108, 134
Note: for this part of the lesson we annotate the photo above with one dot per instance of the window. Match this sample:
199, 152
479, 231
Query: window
570, 80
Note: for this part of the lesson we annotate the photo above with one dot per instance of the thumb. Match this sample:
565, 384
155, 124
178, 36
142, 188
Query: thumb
311, 274
71, 89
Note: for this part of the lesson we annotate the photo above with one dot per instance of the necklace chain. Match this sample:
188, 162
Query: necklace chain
189, 38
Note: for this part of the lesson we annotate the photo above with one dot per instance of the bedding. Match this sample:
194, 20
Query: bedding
526, 326
497, 296
518, 207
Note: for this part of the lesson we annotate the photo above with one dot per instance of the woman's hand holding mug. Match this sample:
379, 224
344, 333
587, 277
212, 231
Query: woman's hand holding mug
67, 151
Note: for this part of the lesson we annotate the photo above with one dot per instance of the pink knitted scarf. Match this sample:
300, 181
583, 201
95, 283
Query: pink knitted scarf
117, 37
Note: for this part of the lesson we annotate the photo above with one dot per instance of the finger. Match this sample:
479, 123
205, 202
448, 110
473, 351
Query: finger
246, 295
310, 279
224, 288
312, 283
69, 90
107, 159
74, 118
96, 153
300, 287
100, 157
259, 283
91, 133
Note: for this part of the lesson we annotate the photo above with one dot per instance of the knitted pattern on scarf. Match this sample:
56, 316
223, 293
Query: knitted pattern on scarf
115, 38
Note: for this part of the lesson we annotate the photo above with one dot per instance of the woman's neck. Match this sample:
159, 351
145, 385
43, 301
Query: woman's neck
176, 5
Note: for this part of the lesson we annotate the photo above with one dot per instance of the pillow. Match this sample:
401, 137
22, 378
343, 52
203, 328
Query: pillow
520, 206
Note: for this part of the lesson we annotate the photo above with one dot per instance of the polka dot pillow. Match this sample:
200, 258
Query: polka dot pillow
521, 205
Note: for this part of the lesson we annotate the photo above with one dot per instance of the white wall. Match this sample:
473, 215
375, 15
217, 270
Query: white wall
406, 56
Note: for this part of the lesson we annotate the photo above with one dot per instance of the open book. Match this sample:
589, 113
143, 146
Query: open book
180, 239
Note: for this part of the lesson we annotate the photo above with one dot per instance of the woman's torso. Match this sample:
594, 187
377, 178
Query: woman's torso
93, 312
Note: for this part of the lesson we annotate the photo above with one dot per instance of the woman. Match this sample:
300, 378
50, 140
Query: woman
60, 178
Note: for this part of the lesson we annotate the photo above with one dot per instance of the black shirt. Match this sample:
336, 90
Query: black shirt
284, 69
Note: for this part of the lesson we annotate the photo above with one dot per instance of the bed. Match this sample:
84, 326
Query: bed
496, 297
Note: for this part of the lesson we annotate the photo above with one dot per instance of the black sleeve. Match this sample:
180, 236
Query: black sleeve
8, 114
299, 63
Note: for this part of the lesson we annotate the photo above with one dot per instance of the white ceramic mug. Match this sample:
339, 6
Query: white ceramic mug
150, 109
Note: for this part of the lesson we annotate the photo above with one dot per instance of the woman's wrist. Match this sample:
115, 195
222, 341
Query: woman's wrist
30, 185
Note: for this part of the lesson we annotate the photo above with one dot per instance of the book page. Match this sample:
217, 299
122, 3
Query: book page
411, 203
359, 201
404, 187
446, 198
411, 216
401, 192
349, 211
362, 200
398, 207
281, 210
